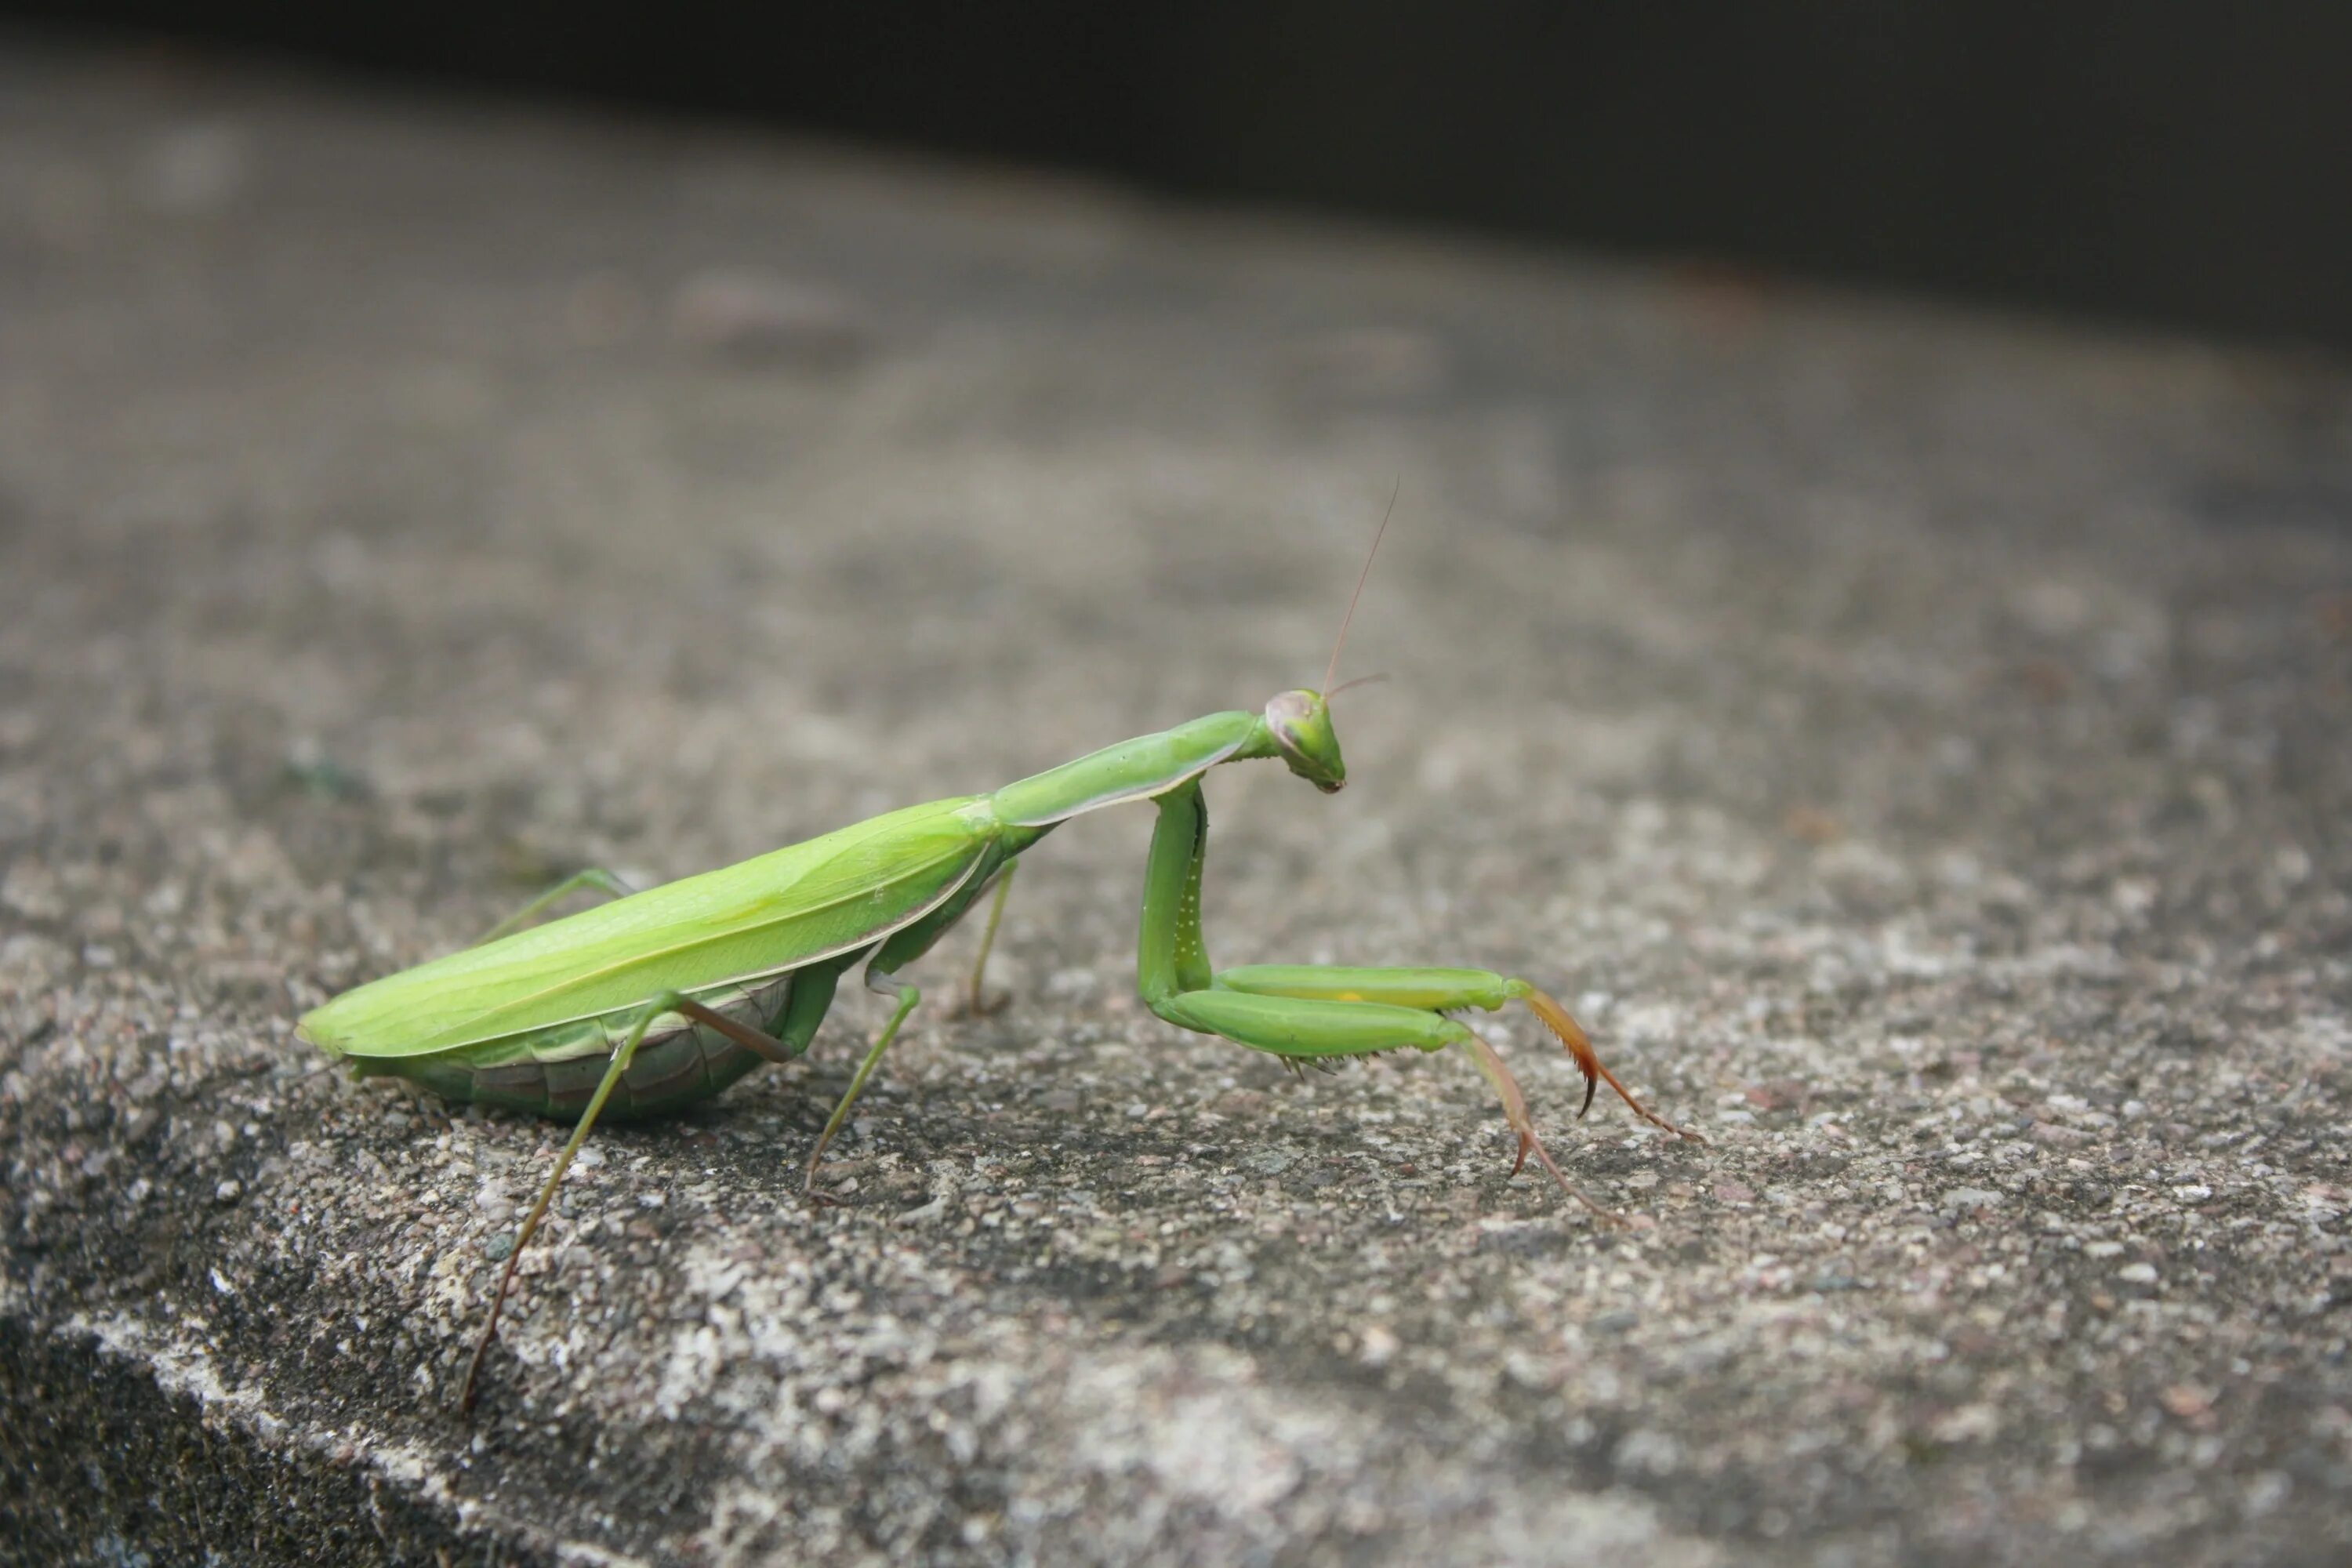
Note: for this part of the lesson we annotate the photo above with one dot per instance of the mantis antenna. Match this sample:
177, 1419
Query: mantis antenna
1341, 641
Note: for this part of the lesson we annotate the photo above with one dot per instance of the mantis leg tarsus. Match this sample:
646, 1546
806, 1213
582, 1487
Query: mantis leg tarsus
908, 997
594, 876
1514, 1111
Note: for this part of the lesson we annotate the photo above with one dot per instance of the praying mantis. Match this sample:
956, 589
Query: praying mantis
665, 997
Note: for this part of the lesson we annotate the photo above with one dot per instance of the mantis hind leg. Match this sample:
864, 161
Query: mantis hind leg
594, 876
663, 1003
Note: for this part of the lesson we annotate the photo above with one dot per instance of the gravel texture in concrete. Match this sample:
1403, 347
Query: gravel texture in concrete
1917, 743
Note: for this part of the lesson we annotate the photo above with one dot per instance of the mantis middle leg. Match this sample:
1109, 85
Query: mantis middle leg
976, 1003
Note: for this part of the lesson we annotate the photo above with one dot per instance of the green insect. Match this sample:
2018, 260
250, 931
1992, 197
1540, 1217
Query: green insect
664, 998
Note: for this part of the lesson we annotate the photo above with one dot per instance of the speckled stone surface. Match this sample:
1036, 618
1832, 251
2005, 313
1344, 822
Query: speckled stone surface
1918, 742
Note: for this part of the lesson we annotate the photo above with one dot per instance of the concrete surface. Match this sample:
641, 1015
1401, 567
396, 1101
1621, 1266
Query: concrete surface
1919, 742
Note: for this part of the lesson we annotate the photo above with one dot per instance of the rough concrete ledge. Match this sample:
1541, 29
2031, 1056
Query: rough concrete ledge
122, 1457
1918, 743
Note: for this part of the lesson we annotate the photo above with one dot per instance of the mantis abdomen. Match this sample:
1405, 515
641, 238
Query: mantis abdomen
554, 1071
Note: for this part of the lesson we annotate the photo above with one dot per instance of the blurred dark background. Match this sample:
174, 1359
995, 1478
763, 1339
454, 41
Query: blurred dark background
2182, 165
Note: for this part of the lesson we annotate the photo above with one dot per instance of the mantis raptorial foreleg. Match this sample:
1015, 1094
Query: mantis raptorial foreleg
1443, 991
594, 876
1319, 1010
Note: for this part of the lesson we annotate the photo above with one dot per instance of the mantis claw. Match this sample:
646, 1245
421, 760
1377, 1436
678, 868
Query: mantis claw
1588, 1061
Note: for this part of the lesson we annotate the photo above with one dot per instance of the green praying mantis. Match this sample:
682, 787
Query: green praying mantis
665, 997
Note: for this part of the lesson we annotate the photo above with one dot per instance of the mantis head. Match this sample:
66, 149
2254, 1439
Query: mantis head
1300, 724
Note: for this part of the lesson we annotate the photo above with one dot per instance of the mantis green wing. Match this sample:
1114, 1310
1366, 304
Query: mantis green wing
795, 907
